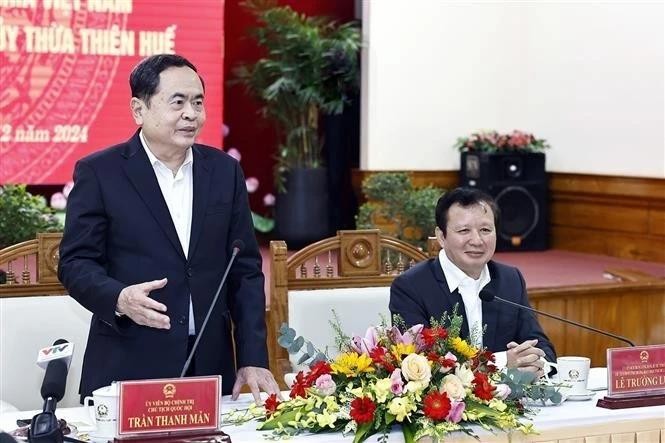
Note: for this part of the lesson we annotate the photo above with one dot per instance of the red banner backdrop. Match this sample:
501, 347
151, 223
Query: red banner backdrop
64, 70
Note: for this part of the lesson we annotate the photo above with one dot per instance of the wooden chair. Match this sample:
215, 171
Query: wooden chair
35, 310
350, 273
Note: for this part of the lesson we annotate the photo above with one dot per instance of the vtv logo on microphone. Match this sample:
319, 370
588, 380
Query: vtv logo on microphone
60, 349
55, 352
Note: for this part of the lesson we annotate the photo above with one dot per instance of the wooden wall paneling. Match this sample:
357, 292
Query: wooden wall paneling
615, 244
598, 215
654, 323
633, 310
618, 216
657, 222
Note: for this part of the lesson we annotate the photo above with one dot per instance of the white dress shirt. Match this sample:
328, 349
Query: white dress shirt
177, 190
469, 289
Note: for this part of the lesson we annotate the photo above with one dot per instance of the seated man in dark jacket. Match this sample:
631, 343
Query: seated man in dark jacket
466, 229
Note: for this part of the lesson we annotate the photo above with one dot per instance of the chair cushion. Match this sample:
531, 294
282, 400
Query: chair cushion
310, 313
28, 324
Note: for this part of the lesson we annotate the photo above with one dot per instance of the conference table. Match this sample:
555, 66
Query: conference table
569, 422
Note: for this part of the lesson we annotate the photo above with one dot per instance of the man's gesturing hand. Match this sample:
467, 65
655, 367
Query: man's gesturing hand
134, 301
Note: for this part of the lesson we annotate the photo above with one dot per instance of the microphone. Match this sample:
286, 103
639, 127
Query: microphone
237, 246
44, 427
56, 360
488, 297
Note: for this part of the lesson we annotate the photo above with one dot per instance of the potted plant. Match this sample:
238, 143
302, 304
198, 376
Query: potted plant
310, 69
398, 208
23, 215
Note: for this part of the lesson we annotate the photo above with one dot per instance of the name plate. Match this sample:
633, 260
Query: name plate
169, 405
636, 371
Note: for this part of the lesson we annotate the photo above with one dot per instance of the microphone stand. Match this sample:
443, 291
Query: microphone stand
236, 249
574, 323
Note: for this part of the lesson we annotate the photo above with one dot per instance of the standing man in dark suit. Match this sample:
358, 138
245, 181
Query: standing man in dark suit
466, 230
148, 233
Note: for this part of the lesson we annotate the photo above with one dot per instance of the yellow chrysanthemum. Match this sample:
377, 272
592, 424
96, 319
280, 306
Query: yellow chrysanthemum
351, 363
464, 348
401, 349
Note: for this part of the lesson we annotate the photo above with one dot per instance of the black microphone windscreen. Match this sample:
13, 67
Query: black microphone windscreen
486, 296
6, 438
60, 341
55, 380
238, 244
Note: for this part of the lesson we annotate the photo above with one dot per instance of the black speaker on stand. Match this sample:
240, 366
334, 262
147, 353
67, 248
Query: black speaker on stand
518, 183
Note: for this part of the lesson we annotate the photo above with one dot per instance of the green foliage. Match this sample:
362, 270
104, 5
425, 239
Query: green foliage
262, 224
23, 215
391, 196
310, 66
524, 384
288, 340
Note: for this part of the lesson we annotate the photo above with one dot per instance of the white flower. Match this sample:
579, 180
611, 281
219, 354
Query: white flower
452, 385
252, 184
382, 389
58, 201
465, 375
415, 367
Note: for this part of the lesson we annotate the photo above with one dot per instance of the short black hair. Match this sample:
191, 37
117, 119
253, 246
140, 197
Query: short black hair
465, 197
144, 78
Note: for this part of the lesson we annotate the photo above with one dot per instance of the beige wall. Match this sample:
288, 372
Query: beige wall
587, 76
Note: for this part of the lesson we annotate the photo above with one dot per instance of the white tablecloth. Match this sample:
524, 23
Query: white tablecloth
572, 421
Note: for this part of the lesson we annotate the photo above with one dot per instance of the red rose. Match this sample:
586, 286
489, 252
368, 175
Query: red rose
298, 389
271, 404
482, 387
436, 405
362, 410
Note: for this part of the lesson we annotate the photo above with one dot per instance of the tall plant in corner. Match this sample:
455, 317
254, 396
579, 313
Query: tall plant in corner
309, 69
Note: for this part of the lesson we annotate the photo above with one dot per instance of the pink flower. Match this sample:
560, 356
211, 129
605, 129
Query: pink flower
502, 391
252, 184
365, 345
410, 336
325, 384
58, 201
396, 383
269, 200
233, 152
456, 410
67, 189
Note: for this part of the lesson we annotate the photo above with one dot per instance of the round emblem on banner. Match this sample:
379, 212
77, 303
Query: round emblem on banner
52, 89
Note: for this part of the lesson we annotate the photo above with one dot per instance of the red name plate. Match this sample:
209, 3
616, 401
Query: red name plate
169, 405
636, 371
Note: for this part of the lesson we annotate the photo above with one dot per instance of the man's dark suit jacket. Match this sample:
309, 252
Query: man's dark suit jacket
422, 293
119, 232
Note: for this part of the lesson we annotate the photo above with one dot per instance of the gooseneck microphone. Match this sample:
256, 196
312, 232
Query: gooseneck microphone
44, 427
236, 247
488, 297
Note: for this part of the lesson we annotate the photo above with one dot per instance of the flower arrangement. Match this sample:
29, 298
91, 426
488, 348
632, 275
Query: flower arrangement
428, 380
492, 141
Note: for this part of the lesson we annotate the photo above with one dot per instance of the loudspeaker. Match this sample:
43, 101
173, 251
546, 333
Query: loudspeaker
518, 183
